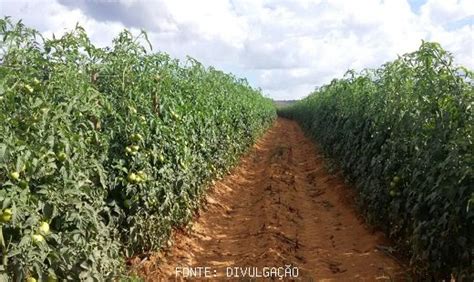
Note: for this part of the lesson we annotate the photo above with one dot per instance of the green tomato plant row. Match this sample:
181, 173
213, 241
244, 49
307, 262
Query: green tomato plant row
403, 134
104, 150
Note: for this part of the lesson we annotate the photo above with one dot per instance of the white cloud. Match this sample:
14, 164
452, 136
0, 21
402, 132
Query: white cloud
444, 11
285, 47
51, 17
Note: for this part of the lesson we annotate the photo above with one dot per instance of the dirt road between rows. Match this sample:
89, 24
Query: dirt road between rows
278, 207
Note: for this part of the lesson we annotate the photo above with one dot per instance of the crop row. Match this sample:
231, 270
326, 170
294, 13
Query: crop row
403, 133
104, 150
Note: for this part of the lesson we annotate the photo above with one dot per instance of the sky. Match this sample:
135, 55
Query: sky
285, 47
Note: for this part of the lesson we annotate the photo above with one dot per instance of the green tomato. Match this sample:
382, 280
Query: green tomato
135, 148
128, 149
37, 238
7, 211
43, 228
137, 137
62, 156
142, 176
52, 278
132, 177
393, 184
30, 279
396, 179
6, 216
393, 193
161, 158
15, 175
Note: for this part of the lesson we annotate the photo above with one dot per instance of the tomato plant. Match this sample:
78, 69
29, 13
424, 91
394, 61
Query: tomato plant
104, 150
403, 133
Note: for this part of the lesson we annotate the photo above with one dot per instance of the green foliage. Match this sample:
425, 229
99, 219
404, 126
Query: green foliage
111, 147
404, 134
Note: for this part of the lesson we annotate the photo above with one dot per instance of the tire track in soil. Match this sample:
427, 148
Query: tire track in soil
279, 206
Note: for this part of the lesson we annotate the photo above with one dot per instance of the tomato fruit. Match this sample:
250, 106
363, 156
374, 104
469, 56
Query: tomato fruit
132, 177
37, 238
62, 156
137, 137
43, 228
52, 278
141, 176
6, 216
161, 158
15, 175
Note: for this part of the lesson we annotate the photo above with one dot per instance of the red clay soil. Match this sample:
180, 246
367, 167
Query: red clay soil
278, 207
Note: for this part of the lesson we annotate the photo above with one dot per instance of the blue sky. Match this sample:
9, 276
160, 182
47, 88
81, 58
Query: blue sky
285, 47
416, 5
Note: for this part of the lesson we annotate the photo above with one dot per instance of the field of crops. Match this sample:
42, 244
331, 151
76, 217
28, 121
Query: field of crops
403, 133
104, 150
